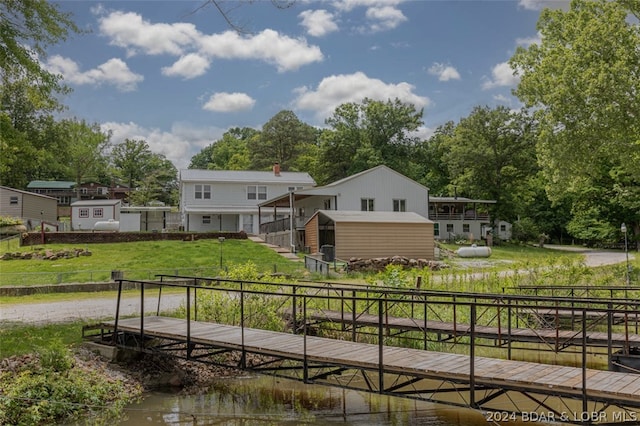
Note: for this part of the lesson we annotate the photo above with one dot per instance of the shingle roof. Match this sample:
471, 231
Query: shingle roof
50, 184
245, 176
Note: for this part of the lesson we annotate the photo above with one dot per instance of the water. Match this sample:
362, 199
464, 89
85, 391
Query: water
265, 400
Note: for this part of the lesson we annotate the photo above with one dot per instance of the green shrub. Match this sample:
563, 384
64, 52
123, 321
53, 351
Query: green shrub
50, 392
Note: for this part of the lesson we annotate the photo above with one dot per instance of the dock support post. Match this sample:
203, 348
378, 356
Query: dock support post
380, 347
609, 336
472, 362
585, 400
115, 326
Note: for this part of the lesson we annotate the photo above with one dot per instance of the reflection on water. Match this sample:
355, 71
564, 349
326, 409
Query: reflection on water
266, 400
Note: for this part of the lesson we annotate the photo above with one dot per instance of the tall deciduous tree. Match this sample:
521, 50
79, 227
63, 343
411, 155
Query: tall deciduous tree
367, 134
160, 183
229, 153
282, 140
86, 148
130, 160
491, 155
583, 81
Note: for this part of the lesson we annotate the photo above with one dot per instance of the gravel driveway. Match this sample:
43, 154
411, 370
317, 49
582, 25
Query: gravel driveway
99, 308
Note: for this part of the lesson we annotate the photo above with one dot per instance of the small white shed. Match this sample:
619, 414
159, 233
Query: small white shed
85, 214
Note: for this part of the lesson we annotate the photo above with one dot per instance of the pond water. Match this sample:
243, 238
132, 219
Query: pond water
266, 400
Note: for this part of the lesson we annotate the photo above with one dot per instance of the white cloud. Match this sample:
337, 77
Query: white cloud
501, 75
114, 72
130, 31
285, 52
338, 89
188, 66
136, 35
384, 18
318, 22
229, 102
444, 72
541, 4
349, 5
178, 145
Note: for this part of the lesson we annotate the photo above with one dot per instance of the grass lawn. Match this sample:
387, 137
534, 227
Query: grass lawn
142, 260
18, 339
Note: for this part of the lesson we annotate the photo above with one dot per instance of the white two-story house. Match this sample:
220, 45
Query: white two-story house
227, 200
379, 189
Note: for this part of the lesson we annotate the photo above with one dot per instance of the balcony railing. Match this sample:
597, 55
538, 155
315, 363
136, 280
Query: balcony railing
283, 224
459, 216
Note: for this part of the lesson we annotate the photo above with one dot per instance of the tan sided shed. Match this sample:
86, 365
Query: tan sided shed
369, 235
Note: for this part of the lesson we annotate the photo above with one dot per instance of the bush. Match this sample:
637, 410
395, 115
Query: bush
525, 230
49, 391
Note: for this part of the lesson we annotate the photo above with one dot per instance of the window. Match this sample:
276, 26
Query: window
256, 192
13, 200
449, 227
203, 192
83, 213
465, 227
206, 220
63, 199
436, 229
98, 212
503, 228
399, 205
366, 204
84, 191
327, 204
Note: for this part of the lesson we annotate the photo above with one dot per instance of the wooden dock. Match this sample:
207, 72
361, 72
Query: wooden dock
448, 330
491, 385
478, 376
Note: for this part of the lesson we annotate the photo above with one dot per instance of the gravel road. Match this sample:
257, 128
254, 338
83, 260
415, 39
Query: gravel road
102, 307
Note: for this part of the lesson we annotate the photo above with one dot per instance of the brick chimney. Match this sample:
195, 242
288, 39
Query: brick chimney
276, 169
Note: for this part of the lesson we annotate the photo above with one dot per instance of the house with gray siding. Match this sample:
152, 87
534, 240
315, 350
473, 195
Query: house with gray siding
31, 208
227, 200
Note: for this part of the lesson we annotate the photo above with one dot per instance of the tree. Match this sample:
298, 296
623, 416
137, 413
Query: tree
160, 183
282, 140
27, 28
86, 148
226, 11
583, 83
367, 134
430, 155
491, 155
130, 160
229, 153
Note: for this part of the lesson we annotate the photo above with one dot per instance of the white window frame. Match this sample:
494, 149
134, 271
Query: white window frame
13, 200
202, 191
98, 212
206, 219
83, 212
399, 205
367, 204
256, 192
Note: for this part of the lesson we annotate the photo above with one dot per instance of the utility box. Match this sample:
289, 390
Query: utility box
328, 253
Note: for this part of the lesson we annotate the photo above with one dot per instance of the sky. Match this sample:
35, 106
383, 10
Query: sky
176, 75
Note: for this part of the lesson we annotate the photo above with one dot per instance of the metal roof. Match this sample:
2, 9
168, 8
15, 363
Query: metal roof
50, 184
97, 202
371, 217
245, 176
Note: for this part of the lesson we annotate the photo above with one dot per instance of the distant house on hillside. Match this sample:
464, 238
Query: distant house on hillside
227, 200
63, 191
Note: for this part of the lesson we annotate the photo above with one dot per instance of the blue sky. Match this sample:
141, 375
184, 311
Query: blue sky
174, 74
